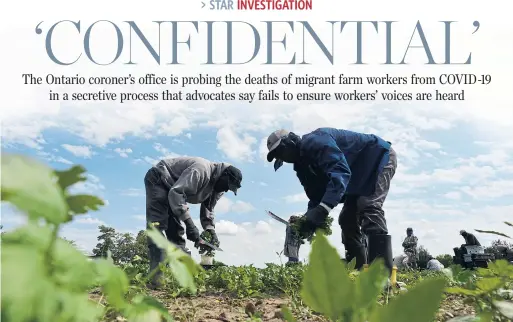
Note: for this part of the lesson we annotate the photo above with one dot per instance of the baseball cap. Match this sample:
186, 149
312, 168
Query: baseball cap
273, 141
235, 178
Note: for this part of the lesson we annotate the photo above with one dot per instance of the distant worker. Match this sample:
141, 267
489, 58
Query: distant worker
470, 239
292, 242
401, 261
410, 247
433, 264
171, 185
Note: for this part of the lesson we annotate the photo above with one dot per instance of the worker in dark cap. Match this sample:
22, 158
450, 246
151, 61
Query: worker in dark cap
339, 166
171, 185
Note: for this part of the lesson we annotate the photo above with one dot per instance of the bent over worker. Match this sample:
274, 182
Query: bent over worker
470, 239
335, 166
171, 185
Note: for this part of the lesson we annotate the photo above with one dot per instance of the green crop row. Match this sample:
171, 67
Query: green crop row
46, 279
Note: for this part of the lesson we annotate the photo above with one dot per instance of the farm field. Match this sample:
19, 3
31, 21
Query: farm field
229, 293
47, 279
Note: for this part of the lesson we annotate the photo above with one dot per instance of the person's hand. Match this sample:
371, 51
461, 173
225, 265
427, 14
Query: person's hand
314, 218
191, 231
214, 240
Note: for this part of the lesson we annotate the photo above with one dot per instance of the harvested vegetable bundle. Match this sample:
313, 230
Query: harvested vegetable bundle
296, 221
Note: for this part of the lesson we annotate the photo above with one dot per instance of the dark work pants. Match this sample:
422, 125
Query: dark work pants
158, 210
363, 215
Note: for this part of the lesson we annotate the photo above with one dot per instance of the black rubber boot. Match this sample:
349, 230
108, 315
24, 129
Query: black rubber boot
156, 257
359, 253
380, 246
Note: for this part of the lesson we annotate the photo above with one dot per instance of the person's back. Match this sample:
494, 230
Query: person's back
470, 239
174, 183
338, 166
434, 265
364, 154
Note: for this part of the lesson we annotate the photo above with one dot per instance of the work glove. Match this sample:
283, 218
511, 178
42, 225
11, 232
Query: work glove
314, 218
214, 239
209, 236
191, 231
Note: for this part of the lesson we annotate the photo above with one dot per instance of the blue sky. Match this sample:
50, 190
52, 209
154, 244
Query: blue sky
455, 158
435, 209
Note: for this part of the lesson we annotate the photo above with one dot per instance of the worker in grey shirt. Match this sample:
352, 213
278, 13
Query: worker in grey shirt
171, 185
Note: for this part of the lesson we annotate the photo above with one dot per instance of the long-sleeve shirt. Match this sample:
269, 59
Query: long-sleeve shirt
434, 265
334, 163
471, 240
410, 244
192, 180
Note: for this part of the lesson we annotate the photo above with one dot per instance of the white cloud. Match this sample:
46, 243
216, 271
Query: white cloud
88, 220
139, 217
50, 157
428, 145
298, 197
123, 152
165, 152
133, 192
262, 150
455, 195
225, 205
79, 150
91, 186
418, 130
224, 227
490, 190
262, 227
238, 148
241, 207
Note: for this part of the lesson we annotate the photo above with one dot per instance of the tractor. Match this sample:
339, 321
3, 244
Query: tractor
472, 256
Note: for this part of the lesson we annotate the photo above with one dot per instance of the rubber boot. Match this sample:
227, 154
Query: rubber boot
359, 253
293, 260
156, 257
380, 246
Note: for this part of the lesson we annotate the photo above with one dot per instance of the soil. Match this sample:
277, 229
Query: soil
215, 308
222, 308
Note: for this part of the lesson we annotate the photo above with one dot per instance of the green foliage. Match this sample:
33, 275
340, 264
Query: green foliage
44, 277
422, 257
487, 288
125, 248
445, 259
204, 249
499, 248
325, 228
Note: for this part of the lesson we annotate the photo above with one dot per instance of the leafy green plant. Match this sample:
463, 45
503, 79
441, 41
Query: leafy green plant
327, 288
44, 277
325, 228
205, 250
486, 288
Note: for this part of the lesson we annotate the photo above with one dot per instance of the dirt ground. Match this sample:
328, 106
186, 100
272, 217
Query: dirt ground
215, 308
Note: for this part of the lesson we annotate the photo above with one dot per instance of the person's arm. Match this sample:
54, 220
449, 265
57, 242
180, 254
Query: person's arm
187, 184
312, 204
207, 211
404, 242
325, 153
